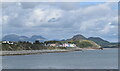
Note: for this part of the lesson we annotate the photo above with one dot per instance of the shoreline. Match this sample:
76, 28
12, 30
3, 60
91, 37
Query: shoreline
30, 52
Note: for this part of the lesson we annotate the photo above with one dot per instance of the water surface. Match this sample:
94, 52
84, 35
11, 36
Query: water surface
89, 59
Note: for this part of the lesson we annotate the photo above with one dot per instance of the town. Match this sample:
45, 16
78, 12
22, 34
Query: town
50, 43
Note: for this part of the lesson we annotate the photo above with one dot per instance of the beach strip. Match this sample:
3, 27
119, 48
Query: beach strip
28, 52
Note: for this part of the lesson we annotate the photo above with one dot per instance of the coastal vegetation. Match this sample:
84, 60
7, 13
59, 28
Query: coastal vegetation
87, 43
77, 41
22, 45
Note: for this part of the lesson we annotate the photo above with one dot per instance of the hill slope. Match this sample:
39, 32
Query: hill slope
77, 38
87, 44
36, 37
99, 41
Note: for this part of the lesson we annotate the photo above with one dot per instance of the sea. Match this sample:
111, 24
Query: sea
87, 59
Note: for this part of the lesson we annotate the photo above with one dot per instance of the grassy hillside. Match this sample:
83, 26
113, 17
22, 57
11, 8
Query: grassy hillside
103, 43
26, 46
86, 44
40, 46
22, 46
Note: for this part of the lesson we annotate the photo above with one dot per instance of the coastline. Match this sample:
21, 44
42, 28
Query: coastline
30, 52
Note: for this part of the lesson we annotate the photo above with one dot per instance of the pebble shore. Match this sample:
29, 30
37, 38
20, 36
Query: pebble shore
28, 52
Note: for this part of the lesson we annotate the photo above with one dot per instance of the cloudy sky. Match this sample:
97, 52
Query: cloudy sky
61, 20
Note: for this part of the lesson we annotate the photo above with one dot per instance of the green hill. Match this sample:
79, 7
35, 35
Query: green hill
86, 44
99, 41
103, 43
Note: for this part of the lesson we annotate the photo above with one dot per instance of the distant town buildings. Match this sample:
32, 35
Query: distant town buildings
62, 45
50, 44
7, 42
53, 45
69, 45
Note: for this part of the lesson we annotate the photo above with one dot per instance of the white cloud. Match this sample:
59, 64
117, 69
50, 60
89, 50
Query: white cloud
42, 16
69, 18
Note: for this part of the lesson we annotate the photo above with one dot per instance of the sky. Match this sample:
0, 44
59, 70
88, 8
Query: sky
61, 20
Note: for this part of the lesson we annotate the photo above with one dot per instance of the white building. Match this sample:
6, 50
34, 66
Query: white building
62, 45
69, 45
7, 42
53, 45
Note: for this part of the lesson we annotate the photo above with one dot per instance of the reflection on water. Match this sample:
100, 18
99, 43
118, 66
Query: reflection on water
89, 59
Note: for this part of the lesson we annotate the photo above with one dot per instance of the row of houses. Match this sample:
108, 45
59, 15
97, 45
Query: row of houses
52, 44
8, 42
62, 45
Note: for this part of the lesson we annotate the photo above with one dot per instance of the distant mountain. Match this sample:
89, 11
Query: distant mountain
23, 38
13, 37
99, 41
36, 37
77, 38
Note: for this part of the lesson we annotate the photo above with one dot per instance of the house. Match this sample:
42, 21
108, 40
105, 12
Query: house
72, 45
7, 42
69, 45
61, 45
53, 45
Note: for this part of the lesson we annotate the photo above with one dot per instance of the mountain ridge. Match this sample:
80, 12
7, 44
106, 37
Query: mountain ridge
78, 37
14, 37
98, 40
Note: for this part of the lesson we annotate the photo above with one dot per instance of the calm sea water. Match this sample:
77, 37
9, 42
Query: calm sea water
89, 59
